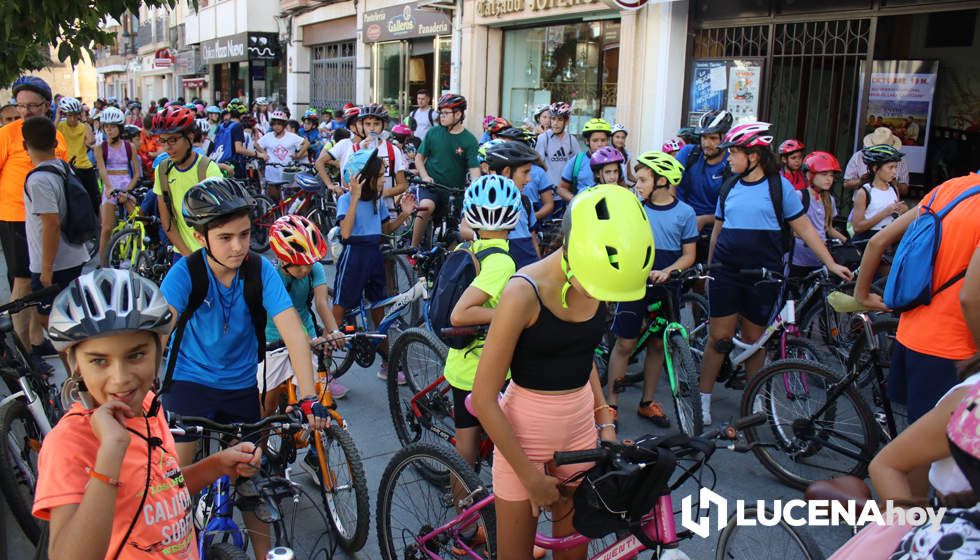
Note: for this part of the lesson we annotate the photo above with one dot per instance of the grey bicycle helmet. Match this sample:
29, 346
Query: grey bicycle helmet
112, 115
511, 154
215, 198
375, 110
715, 122
107, 301
69, 106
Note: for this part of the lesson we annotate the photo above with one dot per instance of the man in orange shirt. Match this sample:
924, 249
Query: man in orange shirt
934, 339
33, 100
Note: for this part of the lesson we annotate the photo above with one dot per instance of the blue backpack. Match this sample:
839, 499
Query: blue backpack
910, 279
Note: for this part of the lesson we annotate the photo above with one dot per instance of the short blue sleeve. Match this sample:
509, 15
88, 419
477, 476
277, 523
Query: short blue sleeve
319, 275
275, 299
566, 173
343, 205
237, 133
689, 233
792, 205
176, 285
718, 215
682, 154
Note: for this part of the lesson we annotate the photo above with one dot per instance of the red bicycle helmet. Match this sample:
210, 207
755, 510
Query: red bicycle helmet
173, 120
819, 162
790, 146
748, 135
452, 101
295, 240
497, 125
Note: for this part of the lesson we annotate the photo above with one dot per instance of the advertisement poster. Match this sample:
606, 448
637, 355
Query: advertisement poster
901, 98
744, 79
709, 81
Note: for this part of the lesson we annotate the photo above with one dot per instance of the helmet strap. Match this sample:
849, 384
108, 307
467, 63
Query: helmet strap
568, 281
190, 150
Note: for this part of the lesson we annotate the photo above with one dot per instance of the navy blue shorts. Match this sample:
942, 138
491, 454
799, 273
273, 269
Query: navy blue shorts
730, 293
360, 271
223, 406
522, 251
629, 317
61, 278
918, 380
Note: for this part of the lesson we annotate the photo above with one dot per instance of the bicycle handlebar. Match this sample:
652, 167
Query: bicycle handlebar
418, 181
182, 425
475, 330
33, 298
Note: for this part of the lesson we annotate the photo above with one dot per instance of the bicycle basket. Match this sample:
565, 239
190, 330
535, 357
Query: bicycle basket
608, 499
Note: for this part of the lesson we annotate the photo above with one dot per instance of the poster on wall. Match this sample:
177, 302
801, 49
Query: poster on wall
901, 99
744, 80
709, 81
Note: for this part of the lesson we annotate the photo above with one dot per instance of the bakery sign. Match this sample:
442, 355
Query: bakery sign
404, 22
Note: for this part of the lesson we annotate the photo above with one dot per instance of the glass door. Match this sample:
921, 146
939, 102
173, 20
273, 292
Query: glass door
391, 75
444, 60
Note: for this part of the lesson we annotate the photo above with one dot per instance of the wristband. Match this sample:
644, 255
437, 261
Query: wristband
604, 426
103, 478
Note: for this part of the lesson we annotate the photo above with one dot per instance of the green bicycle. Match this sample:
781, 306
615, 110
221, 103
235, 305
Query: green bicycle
673, 325
130, 246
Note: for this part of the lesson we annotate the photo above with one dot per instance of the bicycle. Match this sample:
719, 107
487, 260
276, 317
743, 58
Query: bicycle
132, 245
459, 504
443, 226
311, 200
26, 417
266, 495
819, 424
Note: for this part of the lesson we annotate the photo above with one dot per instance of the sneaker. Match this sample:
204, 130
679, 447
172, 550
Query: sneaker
311, 465
337, 390
383, 374
653, 412
477, 539
706, 416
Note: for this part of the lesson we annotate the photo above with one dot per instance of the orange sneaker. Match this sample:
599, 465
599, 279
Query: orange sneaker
478, 539
653, 412
539, 552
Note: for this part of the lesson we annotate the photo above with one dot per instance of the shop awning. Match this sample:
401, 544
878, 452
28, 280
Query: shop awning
194, 82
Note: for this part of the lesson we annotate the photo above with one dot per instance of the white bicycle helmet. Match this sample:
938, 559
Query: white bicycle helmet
203, 126
493, 203
107, 301
69, 106
112, 115
278, 116
619, 127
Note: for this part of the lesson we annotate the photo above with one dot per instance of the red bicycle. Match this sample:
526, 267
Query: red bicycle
305, 195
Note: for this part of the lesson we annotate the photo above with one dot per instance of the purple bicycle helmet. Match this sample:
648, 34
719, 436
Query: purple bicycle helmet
605, 156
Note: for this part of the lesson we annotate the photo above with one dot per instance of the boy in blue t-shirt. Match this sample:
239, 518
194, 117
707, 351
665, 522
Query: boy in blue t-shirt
214, 373
675, 235
362, 217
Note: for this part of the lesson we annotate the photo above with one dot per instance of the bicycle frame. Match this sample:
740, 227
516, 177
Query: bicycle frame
486, 446
222, 520
398, 303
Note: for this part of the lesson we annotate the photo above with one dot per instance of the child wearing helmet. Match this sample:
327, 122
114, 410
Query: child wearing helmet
672, 146
618, 141
79, 138
606, 164
577, 174
675, 233
540, 191
791, 155
542, 119
279, 147
877, 203
821, 170
491, 205
228, 148
548, 321
119, 169
556, 144
97, 465
311, 133
363, 217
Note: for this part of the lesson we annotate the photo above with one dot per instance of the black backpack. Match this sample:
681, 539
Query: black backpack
457, 273
80, 222
696, 152
775, 195
251, 272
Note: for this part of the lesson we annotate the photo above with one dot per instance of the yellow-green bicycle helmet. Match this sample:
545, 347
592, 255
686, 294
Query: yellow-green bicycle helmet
596, 125
608, 244
663, 165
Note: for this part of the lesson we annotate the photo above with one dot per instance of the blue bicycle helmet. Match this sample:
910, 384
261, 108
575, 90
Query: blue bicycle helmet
492, 202
357, 163
309, 182
213, 109
31, 83
481, 152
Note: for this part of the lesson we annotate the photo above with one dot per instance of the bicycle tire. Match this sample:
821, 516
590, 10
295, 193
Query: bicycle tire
324, 221
408, 428
456, 471
601, 358
781, 549
884, 329
261, 220
787, 429
799, 348
693, 314
225, 551
18, 465
352, 536
404, 279
687, 400
118, 249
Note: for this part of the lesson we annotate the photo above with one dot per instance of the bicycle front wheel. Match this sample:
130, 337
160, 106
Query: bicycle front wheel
410, 506
21, 444
421, 357
758, 542
123, 248
687, 396
225, 551
818, 426
344, 488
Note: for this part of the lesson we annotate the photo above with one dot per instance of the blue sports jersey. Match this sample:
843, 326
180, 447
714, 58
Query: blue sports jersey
673, 225
540, 182
525, 223
701, 182
299, 292
367, 222
208, 354
750, 236
585, 177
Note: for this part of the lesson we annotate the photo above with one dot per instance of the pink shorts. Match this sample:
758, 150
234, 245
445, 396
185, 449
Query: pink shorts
544, 424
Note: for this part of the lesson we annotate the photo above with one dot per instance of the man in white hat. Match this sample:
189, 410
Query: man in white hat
856, 168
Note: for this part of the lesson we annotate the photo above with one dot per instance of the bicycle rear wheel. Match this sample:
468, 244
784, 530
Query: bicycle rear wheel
19, 449
324, 218
402, 279
122, 249
411, 506
758, 542
344, 490
687, 398
261, 220
225, 551
421, 357
693, 314
818, 425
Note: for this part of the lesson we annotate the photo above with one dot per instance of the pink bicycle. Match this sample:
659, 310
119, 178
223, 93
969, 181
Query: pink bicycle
422, 517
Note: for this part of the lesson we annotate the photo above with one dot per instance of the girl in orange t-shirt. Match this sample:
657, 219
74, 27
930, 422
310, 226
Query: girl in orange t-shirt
109, 481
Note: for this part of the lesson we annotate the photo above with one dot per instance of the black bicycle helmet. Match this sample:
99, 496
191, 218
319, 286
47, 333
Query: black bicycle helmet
512, 133
215, 198
715, 122
511, 154
880, 154
452, 101
375, 110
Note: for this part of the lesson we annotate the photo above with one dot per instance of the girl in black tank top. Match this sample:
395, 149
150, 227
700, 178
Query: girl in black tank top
547, 324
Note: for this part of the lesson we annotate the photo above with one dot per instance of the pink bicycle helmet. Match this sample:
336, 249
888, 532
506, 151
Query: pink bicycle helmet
561, 110
604, 156
963, 428
790, 146
401, 130
672, 145
488, 120
748, 135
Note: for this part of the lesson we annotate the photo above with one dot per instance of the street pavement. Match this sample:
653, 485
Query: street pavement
737, 476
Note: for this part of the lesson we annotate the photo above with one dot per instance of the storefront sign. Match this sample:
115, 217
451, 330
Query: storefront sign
241, 47
497, 8
404, 22
188, 62
901, 99
709, 81
194, 82
163, 59
744, 77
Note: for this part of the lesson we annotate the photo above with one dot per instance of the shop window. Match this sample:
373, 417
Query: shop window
951, 29
576, 63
